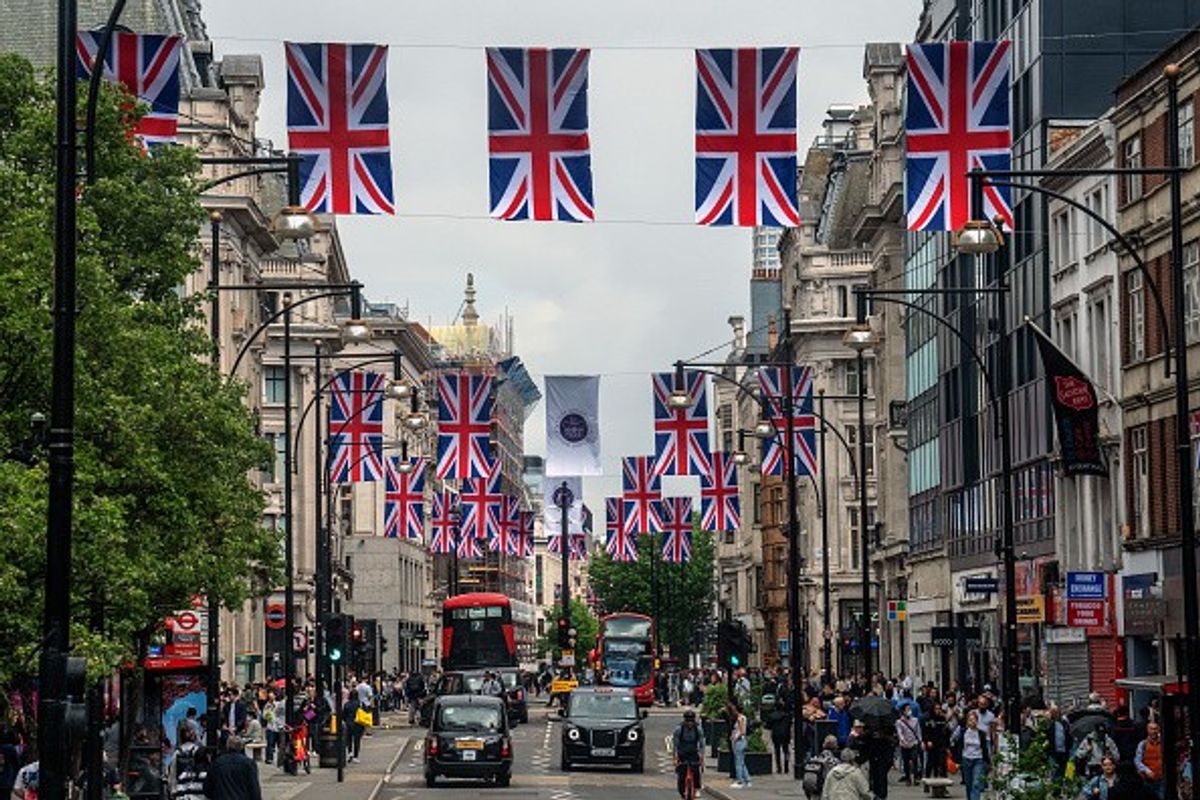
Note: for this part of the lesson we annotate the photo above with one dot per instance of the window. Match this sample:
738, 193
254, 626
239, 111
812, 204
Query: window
852, 439
1137, 318
1187, 134
1097, 203
1100, 333
855, 540
843, 301
1191, 290
756, 506
1066, 334
274, 471
1140, 464
851, 371
274, 385
1063, 251
1132, 150
1195, 433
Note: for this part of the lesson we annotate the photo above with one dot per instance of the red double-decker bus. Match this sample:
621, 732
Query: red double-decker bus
625, 654
484, 629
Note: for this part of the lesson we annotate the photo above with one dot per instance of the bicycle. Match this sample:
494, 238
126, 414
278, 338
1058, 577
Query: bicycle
297, 754
691, 776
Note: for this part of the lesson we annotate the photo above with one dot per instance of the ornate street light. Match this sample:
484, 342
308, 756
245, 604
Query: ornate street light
978, 237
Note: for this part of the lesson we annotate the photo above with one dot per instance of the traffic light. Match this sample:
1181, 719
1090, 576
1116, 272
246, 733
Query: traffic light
564, 633
358, 644
335, 638
733, 644
75, 709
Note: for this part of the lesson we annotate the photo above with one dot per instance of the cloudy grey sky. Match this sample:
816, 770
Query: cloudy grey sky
620, 298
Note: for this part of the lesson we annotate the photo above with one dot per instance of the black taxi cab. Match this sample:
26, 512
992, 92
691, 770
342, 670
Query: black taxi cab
602, 725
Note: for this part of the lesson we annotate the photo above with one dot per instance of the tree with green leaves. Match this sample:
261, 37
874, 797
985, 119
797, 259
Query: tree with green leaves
164, 446
685, 591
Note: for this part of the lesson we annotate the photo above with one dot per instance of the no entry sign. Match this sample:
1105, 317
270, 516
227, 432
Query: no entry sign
276, 616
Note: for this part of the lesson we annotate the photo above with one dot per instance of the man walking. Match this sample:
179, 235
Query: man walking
232, 776
414, 692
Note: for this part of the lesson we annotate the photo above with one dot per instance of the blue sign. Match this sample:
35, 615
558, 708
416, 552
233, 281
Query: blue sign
981, 585
1086, 586
785, 647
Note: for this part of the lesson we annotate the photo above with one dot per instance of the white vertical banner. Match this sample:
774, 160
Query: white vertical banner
552, 514
573, 425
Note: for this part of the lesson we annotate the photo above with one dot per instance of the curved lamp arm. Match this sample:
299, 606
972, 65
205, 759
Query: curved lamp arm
271, 319
1147, 278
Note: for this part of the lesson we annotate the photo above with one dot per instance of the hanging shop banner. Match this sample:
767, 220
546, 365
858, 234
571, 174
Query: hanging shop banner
1031, 609
1076, 411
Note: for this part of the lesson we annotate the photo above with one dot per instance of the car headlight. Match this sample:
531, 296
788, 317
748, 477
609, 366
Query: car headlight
632, 734
573, 734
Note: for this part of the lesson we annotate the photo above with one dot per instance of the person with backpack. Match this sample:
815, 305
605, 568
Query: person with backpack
414, 692
846, 781
688, 746
818, 767
908, 736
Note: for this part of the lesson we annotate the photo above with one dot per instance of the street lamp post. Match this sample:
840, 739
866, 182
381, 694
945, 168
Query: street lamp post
860, 338
56, 616
827, 620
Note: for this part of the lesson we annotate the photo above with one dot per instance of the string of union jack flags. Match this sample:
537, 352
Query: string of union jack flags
957, 118
471, 512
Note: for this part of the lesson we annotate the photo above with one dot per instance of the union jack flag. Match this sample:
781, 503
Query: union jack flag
148, 67
641, 489
337, 116
680, 434
404, 499
956, 119
356, 427
677, 527
508, 538
578, 545
468, 545
443, 523
803, 421
720, 506
483, 505
540, 165
527, 543
746, 137
619, 545
464, 425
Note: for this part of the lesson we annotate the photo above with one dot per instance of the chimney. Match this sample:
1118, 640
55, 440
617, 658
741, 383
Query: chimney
838, 124
738, 323
772, 333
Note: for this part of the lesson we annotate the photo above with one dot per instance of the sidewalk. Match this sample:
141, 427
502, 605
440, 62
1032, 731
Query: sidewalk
716, 785
381, 752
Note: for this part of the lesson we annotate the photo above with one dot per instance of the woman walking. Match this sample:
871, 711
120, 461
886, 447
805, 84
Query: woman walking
974, 754
737, 743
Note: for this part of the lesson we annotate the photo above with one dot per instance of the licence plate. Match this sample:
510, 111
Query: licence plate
603, 752
469, 744
468, 755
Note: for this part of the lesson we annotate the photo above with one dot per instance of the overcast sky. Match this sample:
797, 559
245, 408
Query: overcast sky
620, 299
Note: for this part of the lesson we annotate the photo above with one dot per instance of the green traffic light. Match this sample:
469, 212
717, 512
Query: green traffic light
735, 661
335, 654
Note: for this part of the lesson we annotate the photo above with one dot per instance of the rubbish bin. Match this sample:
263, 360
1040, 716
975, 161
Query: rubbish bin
327, 750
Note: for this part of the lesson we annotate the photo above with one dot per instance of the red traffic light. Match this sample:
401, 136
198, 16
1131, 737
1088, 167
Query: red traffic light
357, 633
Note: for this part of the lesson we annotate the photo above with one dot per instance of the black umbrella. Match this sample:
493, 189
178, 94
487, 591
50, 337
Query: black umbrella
874, 711
1087, 721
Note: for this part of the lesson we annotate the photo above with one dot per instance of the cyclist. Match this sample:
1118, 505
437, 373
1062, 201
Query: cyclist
688, 747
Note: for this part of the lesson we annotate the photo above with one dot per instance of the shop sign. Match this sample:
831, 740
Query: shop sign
1086, 586
1031, 609
1085, 613
1143, 615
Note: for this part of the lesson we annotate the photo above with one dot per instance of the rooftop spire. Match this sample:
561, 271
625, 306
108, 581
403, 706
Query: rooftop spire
470, 316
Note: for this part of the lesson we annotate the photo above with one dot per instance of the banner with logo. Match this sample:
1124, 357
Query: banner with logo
552, 512
573, 425
1076, 410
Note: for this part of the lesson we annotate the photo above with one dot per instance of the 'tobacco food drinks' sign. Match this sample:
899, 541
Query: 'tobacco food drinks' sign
1085, 613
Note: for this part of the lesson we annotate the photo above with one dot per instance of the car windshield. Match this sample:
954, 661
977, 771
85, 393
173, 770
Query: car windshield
474, 683
510, 679
607, 706
468, 718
